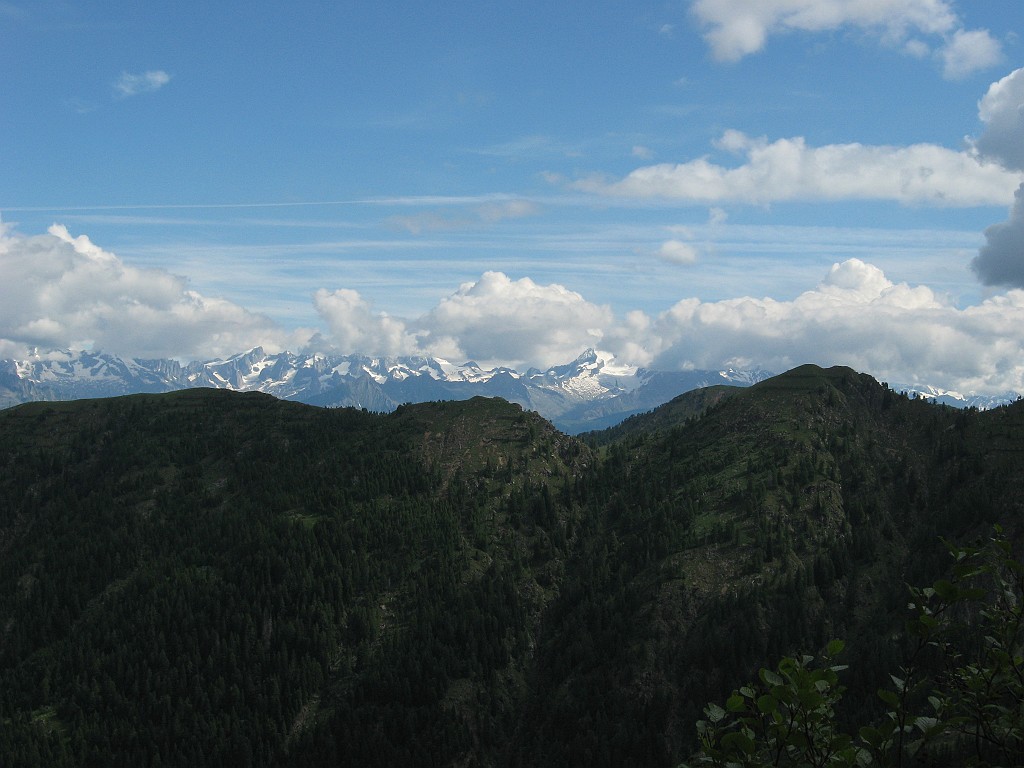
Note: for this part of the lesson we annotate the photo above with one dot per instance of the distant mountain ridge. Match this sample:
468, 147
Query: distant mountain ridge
591, 392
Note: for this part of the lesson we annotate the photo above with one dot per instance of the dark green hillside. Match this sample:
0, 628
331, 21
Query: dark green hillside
207, 578
676, 413
791, 512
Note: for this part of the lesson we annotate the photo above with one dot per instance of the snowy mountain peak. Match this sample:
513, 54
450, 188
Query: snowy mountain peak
592, 391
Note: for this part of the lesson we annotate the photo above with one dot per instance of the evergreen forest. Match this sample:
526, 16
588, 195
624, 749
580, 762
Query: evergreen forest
208, 578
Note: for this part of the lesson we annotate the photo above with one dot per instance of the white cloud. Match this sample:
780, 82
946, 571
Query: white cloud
1001, 109
356, 328
737, 28
1001, 260
516, 322
967, 52
147, 82
678, 252
62, 291
644, 153
494, 321
855, 317
790, 170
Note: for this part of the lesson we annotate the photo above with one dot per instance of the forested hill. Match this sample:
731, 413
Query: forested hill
211, 578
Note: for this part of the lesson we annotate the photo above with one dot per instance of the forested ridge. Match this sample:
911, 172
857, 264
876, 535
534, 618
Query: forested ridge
212, 578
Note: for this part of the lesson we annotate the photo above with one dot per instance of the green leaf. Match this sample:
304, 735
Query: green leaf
928, 725
810, 699
835, 647
767, 704
715, 713
737, 741
889, 698
871, 736
945, 589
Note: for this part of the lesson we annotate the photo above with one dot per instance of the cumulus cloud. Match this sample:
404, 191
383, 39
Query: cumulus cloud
1001, 109
678, 252
61, 291
968, 51
790, 170
515, 322
737, 28
856, 316
494, 321
129, 84
356, 327
1001, 260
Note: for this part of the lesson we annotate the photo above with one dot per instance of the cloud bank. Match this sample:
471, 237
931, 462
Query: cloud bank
857, 317
59, 291
737, 28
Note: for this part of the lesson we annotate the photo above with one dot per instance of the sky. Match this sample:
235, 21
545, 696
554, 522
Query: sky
677, 183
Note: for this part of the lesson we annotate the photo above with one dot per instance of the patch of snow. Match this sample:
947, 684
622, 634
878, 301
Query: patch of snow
379, 378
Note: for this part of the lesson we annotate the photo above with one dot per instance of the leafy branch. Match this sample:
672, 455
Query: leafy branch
972, 621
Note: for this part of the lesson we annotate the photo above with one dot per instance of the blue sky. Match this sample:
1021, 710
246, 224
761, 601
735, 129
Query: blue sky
698, 183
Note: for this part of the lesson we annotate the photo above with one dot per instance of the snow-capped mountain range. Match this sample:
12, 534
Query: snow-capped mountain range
591, 392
